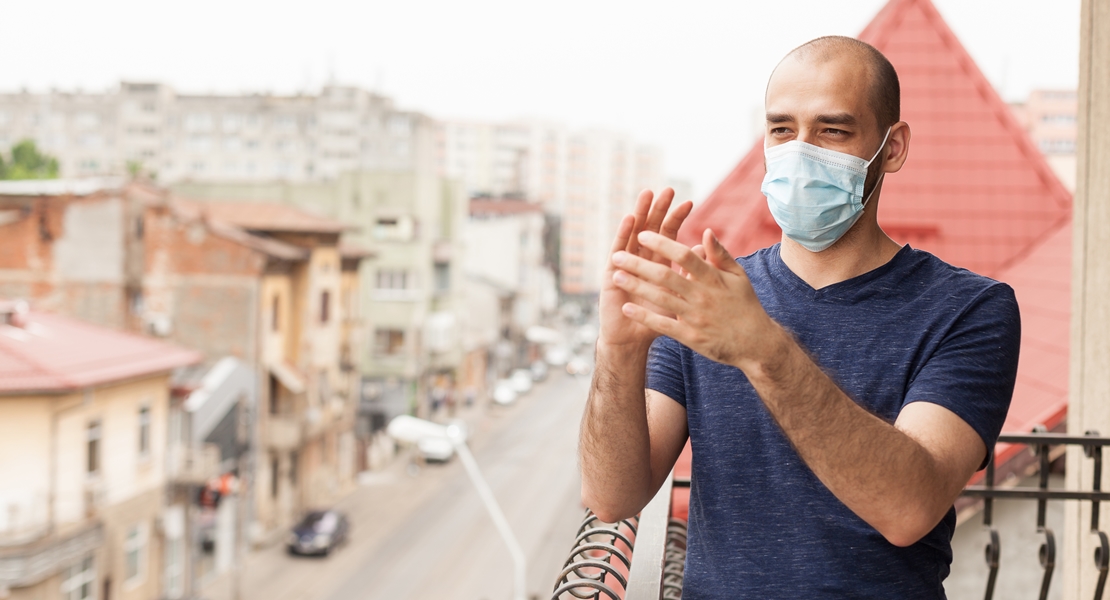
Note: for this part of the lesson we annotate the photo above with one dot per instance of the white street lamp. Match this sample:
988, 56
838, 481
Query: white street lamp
410, 429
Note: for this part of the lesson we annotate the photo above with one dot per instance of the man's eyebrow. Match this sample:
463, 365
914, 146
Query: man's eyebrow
779, 118
837, 119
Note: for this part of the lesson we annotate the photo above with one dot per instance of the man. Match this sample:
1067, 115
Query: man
837, 389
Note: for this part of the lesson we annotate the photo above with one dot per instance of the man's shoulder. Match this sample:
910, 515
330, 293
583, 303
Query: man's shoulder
954, 281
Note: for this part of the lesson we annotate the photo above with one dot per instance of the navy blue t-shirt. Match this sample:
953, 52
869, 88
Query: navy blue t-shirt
762, 525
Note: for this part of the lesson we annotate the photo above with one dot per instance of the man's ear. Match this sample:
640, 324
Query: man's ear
898, 148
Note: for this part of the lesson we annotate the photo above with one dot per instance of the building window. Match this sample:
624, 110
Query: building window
443, 277
275, 313
395, 229
144, 432
275, 389
80, 580
92, 448
134, 546
395, 279
389, 341
175, 567
274, 472
325, 306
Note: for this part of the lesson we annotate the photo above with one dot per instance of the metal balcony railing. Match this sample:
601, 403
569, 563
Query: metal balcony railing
1041, 443
600, 565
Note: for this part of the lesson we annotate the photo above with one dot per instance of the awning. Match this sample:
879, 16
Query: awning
288, 376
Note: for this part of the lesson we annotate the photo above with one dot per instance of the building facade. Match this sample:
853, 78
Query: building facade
589, 179
1051, 119
267, 286
411, 293
150, 127
84, 506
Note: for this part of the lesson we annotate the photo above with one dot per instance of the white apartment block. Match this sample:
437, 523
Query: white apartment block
246, 137
589, 178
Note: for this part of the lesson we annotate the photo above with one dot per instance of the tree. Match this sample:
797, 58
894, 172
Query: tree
28, 162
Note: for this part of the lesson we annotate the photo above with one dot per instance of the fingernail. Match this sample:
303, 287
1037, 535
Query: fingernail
618, 258
643, 235
620, 277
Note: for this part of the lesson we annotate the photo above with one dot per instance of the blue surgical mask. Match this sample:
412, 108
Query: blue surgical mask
815, 194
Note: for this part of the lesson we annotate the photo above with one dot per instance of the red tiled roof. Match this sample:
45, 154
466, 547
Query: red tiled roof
484, 206
262, 216
55, 354
975, 191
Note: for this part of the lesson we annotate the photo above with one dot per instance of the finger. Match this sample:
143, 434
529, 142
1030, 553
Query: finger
661, 275
653, 321
717, 255
624, 232
699, 250
659, 209
674, 220
649, 292
640, 212
676, 253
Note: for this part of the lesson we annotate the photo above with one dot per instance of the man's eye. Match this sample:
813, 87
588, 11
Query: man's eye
835, 131
779, 131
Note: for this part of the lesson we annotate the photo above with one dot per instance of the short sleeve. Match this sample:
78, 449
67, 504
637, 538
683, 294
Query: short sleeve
972, 372
664, 369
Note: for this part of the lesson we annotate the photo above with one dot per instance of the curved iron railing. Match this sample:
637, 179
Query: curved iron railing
598, 565
674, 560
1040, 442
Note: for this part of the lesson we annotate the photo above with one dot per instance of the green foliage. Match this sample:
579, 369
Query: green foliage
27, 162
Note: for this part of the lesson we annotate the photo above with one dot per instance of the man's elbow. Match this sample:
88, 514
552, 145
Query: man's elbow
607, 510
909, 528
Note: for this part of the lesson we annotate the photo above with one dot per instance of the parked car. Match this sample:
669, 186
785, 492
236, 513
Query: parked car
579, 366
557, 356
320, 532
521, 380
435, 449
504, 392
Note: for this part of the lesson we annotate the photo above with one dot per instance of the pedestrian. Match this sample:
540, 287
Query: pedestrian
837, 389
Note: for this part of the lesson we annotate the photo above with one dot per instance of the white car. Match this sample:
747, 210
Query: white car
521, 380
557, 356
504, 392
579, 366
435, 449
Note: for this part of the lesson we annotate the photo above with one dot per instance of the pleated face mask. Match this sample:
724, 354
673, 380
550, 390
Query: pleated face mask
815, 194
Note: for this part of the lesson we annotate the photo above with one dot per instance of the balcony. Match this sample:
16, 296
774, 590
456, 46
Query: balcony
643, 558
282, 432
27, 564
192, 465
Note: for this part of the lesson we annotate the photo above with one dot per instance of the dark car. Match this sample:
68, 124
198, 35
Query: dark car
319, 533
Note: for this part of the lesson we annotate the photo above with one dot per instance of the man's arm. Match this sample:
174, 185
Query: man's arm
629, 438
901, 478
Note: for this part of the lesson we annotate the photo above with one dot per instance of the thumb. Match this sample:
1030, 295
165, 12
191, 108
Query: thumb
715, 251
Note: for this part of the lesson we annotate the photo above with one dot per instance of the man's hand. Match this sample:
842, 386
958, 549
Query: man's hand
649, 216
709, 306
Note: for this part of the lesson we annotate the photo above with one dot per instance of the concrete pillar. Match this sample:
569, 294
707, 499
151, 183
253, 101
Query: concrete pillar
1089, 399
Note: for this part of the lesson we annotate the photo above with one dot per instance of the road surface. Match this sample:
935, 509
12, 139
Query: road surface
429, 537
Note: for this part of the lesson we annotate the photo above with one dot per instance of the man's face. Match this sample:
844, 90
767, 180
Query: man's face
824, 103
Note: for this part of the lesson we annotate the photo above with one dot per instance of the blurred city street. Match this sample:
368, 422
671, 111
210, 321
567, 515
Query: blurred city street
428, 536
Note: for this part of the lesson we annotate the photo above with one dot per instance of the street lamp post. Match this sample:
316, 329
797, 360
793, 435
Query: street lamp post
412, 430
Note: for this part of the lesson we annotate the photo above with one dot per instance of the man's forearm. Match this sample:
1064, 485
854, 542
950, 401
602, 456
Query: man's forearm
614, 445
879, 472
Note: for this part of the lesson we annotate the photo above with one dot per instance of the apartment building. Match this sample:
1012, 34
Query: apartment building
411, 293
589, 179
265, 285
83, 433
150, 127
510, 284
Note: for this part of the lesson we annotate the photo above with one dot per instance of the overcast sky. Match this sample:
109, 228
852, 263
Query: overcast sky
687, 76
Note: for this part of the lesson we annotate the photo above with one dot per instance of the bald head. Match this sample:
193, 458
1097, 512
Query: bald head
884, 95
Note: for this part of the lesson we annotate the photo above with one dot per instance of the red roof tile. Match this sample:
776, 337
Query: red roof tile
262, 216
54, 354
484, 206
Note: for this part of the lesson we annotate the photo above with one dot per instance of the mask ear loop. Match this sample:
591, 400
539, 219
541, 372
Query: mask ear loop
881, 175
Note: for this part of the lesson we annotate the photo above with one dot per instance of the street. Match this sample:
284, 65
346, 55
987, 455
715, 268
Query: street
428, 536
